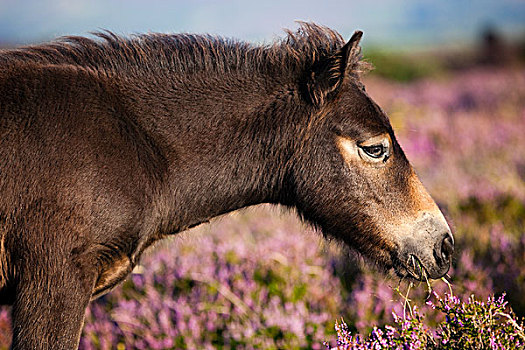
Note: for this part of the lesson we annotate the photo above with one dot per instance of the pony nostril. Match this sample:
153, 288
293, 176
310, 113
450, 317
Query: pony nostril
443, 250
447, 248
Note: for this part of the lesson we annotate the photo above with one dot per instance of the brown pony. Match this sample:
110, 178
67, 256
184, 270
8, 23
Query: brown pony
110, 144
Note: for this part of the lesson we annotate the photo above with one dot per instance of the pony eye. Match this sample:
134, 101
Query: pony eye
374, 151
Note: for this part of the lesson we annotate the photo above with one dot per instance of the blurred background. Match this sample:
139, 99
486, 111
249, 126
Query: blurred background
388, 23
451, 76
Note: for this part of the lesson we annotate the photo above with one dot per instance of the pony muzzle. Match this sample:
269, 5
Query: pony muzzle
427, 251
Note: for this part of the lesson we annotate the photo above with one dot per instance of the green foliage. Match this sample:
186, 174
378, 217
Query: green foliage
403, 68
506, 210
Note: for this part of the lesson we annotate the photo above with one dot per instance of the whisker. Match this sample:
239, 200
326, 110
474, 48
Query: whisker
407, 302
448, 284
429, 286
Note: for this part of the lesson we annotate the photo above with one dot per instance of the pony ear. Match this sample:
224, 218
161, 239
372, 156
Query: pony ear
327, 76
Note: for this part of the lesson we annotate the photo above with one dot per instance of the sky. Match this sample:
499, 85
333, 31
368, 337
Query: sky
388, 23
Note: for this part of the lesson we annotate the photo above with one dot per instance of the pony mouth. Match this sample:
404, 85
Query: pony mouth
413, 269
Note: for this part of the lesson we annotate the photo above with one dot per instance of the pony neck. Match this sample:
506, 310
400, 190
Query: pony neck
227, 141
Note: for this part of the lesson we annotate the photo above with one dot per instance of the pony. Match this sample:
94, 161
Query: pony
109, 144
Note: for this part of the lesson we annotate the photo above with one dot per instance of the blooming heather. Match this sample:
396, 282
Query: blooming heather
469, 324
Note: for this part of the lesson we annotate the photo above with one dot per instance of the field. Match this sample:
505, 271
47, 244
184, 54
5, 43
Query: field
259, 278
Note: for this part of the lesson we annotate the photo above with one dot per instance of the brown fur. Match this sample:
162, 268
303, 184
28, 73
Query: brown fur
110, 144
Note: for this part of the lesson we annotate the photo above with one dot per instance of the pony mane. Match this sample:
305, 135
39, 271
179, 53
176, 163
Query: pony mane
188, 53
